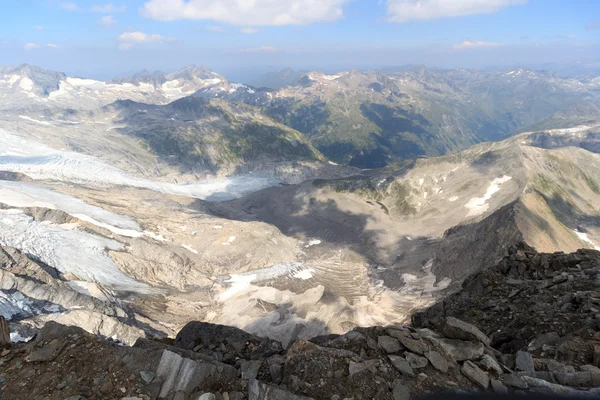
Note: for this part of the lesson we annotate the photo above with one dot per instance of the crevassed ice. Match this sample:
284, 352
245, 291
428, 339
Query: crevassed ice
67, 249
18, 194
42, 162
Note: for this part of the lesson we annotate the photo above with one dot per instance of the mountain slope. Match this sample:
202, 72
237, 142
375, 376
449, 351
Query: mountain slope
371, 119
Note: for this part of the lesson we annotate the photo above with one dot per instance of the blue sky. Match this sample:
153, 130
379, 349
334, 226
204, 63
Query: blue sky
102, 39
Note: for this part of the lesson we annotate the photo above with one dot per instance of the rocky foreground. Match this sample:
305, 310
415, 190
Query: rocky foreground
527, 325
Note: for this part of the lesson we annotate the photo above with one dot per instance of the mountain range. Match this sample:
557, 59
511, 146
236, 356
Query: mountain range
133, 206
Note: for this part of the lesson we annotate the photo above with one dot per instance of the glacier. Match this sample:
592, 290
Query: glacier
41, 162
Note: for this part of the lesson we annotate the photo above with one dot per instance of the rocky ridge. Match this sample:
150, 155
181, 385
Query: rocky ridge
526, 325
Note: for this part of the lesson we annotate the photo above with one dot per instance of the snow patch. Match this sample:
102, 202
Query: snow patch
305, 274
229, 241
479, 205
35, 120
313, 243
585, 238
453, 198
190, 248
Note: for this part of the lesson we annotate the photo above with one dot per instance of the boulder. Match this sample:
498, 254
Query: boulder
402, 365
524, 361
498, 387
487, 363
261, 391
416, 361
4, 332
550, 339
438, 361
389, 344
461, 350
475, 374
454, 328
514, 380
48, 352
249, 369
400, 391
416, 346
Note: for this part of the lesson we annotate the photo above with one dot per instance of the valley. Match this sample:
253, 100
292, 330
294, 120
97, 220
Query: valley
141, 208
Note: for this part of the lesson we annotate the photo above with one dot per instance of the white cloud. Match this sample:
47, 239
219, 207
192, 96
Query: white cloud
240, 12
129, 39
214, 28
31, 46
263, 49
107, 21
38, 28
248, 31
572, 36
475, 45
108, 8
408, 10
69, 6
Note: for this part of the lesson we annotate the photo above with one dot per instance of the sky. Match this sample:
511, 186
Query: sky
241, 38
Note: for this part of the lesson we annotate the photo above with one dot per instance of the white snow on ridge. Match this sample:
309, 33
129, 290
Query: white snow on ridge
17, 194
42, 162
69, 250
35, 120
240, 282
479, 205
585, 238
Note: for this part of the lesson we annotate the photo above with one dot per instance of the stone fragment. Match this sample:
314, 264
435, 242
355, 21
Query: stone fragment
437, 360
48, 352
416, 361
416, 346
389, 344
400, 391
402, 365
524, 361
498, 387
249, 369
207, 396
475, 374
487, 363
106, 388
261, 391
575, 379
514, 380
147, 377
549, 338
461, 350
454, 328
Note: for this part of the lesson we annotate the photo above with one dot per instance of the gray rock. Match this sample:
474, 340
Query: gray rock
356, 368
276, 371
207, 396
541, 386
48, 352
416, 346
147, 376
544, 375
402, 365
456, 329
261, 391
590, 368
550, 338
461, 350
475, 374
126, 398
183, 374
416, 361
400, 392
437, 360
249, 369
389, 344
179, 396
515, 381
555, 366
488, 364
498, 387
236, 396
78, 397
524, 361
576, 379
